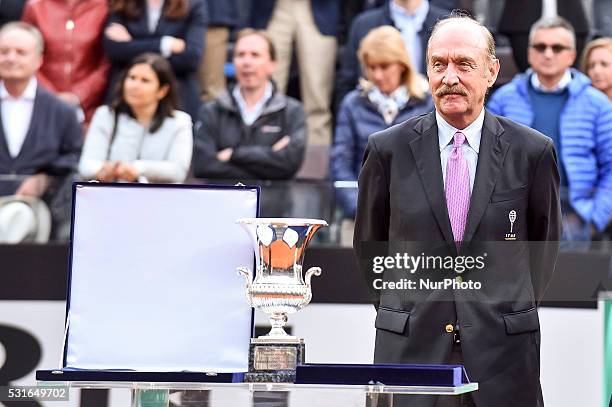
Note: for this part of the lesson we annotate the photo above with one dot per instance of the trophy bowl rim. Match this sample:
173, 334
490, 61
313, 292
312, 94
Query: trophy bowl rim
282, 221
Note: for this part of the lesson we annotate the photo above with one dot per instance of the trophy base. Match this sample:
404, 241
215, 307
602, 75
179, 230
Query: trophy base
270, 377
288, 339
274, 362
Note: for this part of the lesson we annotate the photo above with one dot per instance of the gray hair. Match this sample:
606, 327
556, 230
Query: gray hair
463, 17
546, 23
30, 29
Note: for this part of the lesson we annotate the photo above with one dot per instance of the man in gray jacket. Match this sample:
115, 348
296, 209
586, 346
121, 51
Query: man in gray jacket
251, 131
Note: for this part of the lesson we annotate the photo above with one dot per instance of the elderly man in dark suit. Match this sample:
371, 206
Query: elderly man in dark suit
40, 137
456, 183
39, 134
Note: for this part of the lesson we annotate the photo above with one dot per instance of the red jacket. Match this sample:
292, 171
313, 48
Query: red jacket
74, 58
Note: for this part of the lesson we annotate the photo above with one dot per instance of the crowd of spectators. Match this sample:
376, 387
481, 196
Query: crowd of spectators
161, 90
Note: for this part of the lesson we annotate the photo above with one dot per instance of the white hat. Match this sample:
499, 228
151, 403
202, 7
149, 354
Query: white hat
24, 219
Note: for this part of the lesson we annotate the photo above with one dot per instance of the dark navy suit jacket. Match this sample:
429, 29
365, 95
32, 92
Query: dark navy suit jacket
514, 224
326, 14
223, 13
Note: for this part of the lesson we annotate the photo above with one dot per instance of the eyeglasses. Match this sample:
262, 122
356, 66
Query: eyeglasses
556, 48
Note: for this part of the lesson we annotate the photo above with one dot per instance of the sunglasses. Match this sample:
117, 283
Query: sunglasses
556, 48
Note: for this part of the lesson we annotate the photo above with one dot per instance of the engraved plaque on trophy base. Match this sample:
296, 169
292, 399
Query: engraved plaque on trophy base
274, 361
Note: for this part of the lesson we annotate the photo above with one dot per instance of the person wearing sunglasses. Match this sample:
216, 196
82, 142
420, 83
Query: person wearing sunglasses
560, 102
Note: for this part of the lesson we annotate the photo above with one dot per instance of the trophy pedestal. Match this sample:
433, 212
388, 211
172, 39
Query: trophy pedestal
274, 360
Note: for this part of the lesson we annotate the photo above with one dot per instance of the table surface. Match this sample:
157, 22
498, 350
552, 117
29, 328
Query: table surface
271, 387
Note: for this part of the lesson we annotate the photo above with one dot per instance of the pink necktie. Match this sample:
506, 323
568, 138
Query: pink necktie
457, 188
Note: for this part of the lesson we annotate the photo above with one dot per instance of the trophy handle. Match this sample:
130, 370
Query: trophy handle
247, 274
312, 271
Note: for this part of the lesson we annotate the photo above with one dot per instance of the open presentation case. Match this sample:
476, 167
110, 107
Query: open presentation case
153, 292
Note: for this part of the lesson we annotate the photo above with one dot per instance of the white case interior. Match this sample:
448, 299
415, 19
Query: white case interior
153, 283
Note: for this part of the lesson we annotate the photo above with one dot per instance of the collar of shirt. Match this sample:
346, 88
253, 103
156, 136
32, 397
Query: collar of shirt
549, 8
153, 15
29, 94
472, 133
401, 17
563, 83
249, 116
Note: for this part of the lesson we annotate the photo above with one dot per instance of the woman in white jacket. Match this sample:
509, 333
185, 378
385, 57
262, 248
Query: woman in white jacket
140, 137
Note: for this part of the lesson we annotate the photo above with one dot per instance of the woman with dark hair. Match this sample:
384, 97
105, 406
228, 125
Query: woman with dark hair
140, 136
173, 28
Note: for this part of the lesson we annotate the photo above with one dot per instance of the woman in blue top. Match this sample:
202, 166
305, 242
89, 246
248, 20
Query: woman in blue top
392, 92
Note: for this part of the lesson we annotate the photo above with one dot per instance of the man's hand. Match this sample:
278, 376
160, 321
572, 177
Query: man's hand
34, 186
225, 155
117, 32
127, 172
107, 172
280, 144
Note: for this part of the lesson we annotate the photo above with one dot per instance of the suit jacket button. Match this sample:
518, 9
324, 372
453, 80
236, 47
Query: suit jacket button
458, 279
449, 328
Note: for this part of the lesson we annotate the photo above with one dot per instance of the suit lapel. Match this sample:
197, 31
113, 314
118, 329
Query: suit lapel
426, 151
162, 23
30, 133
4, 151
490, 159
161, 26
140, 27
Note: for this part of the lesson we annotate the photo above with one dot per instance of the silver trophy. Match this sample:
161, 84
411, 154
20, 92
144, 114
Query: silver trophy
278, 288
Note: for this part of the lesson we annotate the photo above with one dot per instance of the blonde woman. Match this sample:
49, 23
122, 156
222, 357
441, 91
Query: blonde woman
597, 64
391, 92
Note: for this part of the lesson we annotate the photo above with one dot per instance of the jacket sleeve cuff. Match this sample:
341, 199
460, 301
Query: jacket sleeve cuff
165, 46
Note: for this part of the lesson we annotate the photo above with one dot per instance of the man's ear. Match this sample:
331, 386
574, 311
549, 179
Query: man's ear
39, 62
493, 71
573, 51
272, 68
